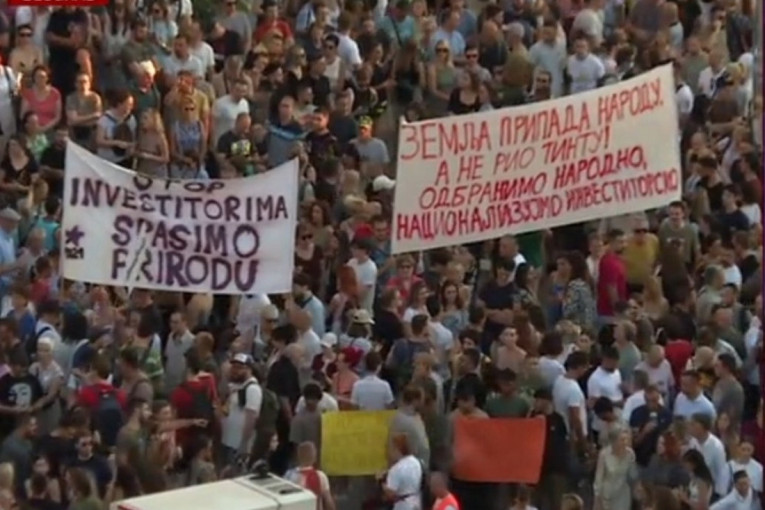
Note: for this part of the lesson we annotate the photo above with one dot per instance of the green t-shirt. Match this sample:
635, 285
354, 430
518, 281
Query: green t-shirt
89, 503
500, 406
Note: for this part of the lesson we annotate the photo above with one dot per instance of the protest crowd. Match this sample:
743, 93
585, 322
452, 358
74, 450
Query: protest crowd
631, 343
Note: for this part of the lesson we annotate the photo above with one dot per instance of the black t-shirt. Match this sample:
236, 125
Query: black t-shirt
21, 175
457, 107
283, 380
472, 383
97, 466
321, 88
43, 504
53, 157
58, 450
321, 147
714, 193
234, 144
344, 127
731, 222
497, 297
15, 391
555, 458
62, 58
645, 449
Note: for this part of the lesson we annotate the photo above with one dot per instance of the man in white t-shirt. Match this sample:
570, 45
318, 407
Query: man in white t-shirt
584, 68
568, 398
226, 109
183, 60
244, 401
200, 49
606, 381
366, 272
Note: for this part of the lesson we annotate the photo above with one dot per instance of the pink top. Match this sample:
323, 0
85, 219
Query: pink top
46, 108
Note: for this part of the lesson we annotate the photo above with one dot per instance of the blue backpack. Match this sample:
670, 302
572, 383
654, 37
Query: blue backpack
108, 417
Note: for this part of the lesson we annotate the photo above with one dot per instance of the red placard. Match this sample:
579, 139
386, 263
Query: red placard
499, 450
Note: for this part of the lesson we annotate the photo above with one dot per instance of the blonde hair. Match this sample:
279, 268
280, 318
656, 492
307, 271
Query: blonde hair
159, 126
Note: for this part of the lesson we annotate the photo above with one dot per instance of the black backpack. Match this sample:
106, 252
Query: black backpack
108, 417
202, 407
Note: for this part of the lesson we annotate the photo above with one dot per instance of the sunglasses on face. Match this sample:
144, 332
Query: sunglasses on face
25, 34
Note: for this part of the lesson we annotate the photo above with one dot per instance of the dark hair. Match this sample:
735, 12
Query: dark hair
698, 465
433, 305
551, 344
702, 419
129, 356
80, 482
576, 360
473, 355
285, 334
419, 323
312, 391
442, 294
522, 275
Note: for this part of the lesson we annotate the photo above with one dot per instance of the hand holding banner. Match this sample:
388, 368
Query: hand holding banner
353, 443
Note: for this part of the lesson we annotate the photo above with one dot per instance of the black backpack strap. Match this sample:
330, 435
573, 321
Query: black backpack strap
241, 394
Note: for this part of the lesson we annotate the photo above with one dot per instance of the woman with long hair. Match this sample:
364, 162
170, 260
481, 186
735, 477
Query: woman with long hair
465, 97
442, 80
162, 29
82, 490
415, 305
698, 493
116, 33
152, 152
615, 473
318, 219
309, 259
654, 302
579, 300
43, 99
188, 144
18, 170
405, 278
454, 311
35, 139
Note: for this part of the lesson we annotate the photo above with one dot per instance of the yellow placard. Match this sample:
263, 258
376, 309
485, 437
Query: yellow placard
353, 443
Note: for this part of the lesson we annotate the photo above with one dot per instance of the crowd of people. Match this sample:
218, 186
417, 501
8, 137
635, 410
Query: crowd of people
637, 338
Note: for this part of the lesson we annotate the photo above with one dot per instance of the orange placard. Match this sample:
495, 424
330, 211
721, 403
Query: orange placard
499, 450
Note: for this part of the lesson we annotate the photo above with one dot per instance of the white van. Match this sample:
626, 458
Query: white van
245, 493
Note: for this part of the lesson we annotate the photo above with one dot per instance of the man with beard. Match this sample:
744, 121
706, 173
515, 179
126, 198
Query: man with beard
245, 398
137, 50
612, 277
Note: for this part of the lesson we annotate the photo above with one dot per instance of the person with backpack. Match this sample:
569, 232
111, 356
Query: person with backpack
105, 403
241, 411
307, 476
401, 356
135, 382
195, 399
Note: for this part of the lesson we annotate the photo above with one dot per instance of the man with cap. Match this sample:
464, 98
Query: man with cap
370, 148
243, 407
9, 263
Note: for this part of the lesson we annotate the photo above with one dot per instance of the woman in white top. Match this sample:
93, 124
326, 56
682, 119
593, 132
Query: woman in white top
404, 478
615, 473
335, 70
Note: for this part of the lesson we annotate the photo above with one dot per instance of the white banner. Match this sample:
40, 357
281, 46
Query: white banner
601, 153
222, 236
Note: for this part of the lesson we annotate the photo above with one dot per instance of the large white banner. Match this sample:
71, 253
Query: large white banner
468, 178
222, 236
